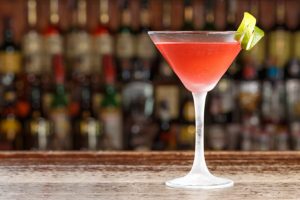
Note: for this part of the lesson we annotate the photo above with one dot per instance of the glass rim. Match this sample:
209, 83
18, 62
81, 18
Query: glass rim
192, 32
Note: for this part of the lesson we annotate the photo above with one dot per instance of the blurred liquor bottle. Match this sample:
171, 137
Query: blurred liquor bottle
32, 61
186, 136
125, 44
52, 45
102, 38
10, 54
59, 115
292, 75
138, 93
32, 43
293, 100
78, 42
11, 83
88, 128
222, 114
249, 101
249, 91
273, 105
273, 95
139, 127
10, 126
166, 137
38, 130
53, 41
78, 54
110, 112
102, 44
279, 39
188, 21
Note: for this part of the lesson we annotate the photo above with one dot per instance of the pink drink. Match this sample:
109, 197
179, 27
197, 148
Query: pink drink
199, 65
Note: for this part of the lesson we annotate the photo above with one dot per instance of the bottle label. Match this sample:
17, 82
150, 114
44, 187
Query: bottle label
90, 130
189, 111
10, 62
187, 135
249, 95
47, 100
79, 52
102, 45
10, 127
145, 47
112, 122
125, 45
53, 45
225, 90
96, 101
32, 50
40, 128
279, 47
61, 126
170, 95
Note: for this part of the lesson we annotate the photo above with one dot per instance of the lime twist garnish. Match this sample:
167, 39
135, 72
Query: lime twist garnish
248, 34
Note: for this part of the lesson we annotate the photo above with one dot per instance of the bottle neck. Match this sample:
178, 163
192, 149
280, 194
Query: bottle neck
81, 13
188, 15
85, 98
166, 21
280, 13
104, 12
60, 99
8, 35
145, 23
31, 16
126, 18
54, 16
110, 96
36, 102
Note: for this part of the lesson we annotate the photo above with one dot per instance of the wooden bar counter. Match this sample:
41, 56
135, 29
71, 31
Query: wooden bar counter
135, 175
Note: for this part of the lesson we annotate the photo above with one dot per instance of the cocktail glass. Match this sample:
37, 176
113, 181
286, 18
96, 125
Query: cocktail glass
199, 58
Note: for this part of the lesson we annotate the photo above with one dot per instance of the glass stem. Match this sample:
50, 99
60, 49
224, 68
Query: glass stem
199, 165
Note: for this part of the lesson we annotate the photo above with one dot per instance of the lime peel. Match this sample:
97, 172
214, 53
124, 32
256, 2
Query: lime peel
248, 34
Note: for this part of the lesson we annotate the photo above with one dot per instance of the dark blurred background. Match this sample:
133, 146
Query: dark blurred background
84, 75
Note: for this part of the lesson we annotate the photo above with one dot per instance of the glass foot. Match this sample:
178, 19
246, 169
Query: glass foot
199, 181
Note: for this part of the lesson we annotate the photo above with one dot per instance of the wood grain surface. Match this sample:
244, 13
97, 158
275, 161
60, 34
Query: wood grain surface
135, 175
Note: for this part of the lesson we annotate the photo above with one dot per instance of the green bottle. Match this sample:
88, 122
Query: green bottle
59, 110
110, 114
